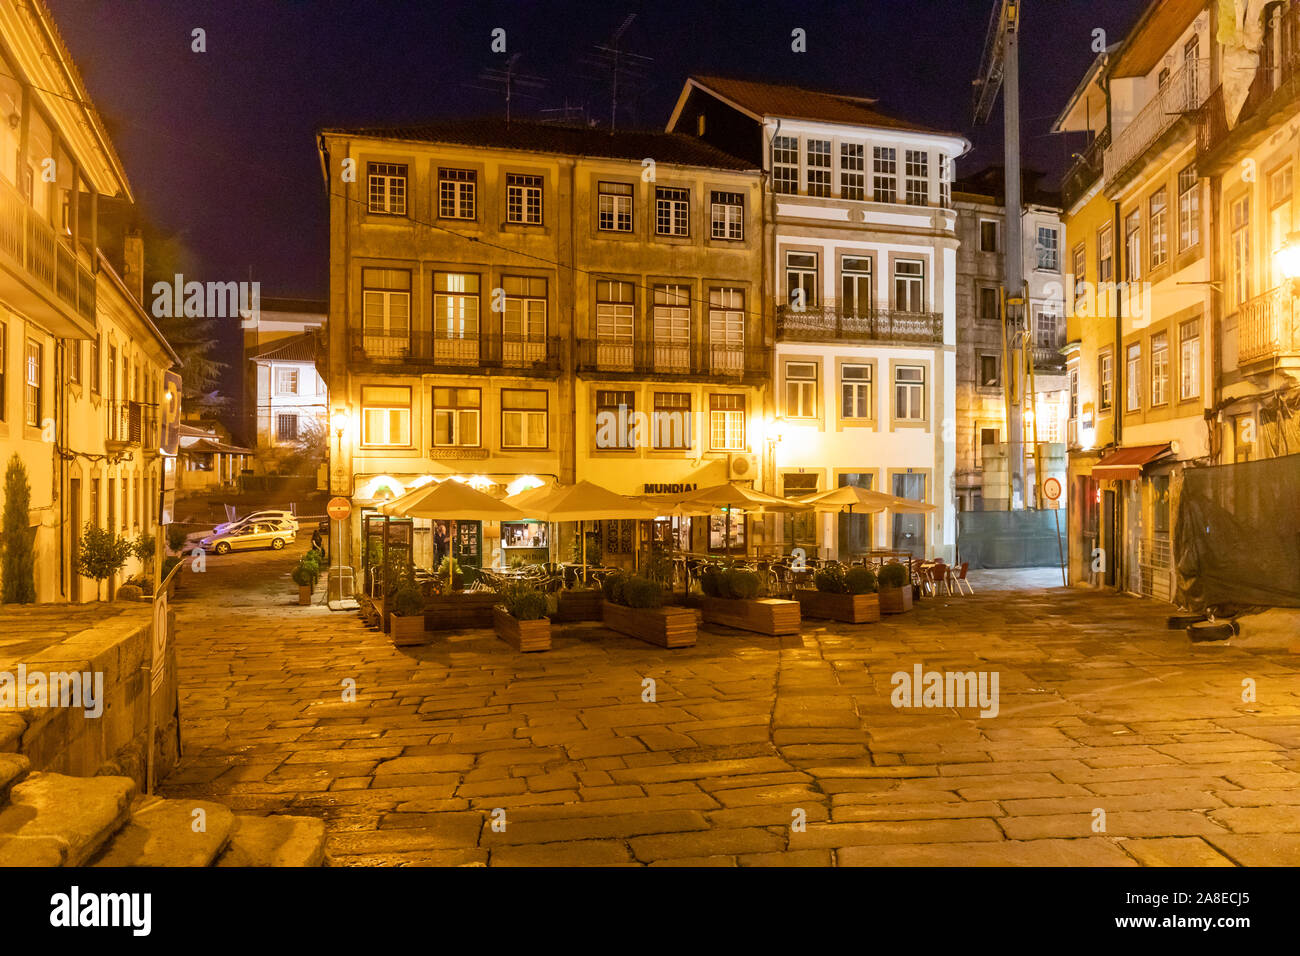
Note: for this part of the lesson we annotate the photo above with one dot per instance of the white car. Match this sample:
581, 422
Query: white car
261, 534
286, 518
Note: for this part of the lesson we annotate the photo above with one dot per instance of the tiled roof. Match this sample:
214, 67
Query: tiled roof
793, 102
297, 348
529, 136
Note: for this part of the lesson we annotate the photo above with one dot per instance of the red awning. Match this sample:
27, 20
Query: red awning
1125, 464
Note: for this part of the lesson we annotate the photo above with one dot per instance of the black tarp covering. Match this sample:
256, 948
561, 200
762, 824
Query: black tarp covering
1237, 540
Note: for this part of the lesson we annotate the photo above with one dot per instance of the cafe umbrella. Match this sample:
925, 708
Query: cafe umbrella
729, 496
582, 502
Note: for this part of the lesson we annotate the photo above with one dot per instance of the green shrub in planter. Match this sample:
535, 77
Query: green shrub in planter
168, 563
741, 584
307, 572
176, 536
523, 601
713, 581
830, 579
612, 587
860, 580
641, 592
893, 575
408, 599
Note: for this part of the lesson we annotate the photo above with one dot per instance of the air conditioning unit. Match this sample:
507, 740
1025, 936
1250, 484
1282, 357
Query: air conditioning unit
742, 467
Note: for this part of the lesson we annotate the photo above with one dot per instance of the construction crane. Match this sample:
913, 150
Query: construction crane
1000, 72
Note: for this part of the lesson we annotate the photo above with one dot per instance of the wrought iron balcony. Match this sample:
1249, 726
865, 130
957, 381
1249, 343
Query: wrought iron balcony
127, 425
1086, 170
1180, 95
436, 350
31, 247
834, 320
1267, 331
672, 360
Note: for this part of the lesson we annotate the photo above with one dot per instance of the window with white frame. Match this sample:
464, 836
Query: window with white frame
1159, 369
386, 311
455, 305
909, 393
1074, 394
800, 389
1105, 380
1133, 246
615, 311
286, 381
853, 171
672, 327
33, 392
385, 415
671, 423
819, 167
909, 285
386, 186
785, 164
917, 176
884, 181
286, 427
1105, 254
1279, 217
456, 417
1048, 249
801, 280
1239, 250
1080, 274
523, 418
1133, 378
727, 214
672, 211
456, 193
615, 419
1189, 359
614, 207
856, 295
524, 199
1157, 213
727, 422
523, 323
1046, 326
945, 181
727, 329
855, 392
1189, 208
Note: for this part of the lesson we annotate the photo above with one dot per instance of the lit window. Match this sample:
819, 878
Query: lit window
1189, 339
785, 164
1159, 228
909, 393
385, 415
819, 167
917, 177
286, 381
1159, 369
456, 414
523, 418
855, 392
1048, 249
1133, 378
853, 171
884, 173
801, 390
727, 422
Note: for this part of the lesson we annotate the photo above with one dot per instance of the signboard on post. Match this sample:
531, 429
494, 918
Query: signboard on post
1052, 492
338, 509
1052, 489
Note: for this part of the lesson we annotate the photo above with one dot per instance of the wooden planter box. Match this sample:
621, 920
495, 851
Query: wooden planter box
581, 605
459, 610
849, 608
895, 600
406, 629
522, 635
304, 595
771, 616
665, 626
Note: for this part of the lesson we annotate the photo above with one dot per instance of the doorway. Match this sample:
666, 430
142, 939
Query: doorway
909, 529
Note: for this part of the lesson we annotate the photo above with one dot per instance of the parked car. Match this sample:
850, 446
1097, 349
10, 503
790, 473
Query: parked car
285, 516
262, 534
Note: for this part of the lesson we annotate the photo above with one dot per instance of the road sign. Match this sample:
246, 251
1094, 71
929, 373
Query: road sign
338, 509
1052, 489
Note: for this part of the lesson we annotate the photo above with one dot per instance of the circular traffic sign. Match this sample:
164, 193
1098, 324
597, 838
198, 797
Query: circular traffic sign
1052, 489
339, 509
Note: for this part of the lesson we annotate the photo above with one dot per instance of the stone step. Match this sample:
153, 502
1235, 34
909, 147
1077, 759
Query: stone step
11, 732
56, 820
170, 833
13, 768
275, 841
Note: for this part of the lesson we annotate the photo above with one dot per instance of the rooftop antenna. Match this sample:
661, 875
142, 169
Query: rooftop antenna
612, 58
568, 114
510, 81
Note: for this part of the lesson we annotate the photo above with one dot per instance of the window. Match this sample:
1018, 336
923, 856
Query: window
1240, 250
1080, 274
853, 171
727, 214
387, 188
801, 279
1279, 217
1048, 248
909, 393
726, 330
1046, 324
74, 362
1105, 254
1191, 54
286, 381
523, 418
990, 307
614, 207
1106, 380
671, 424
917, 176
385, 415
801, 528
1160, 369
4, 377
856, 296
1133, 246
523, 323
785, 164
819, 167
456, 193
386, 311
672, 211
1189, 360
988, 235
855, 392
32, 403
615, 309
727, 422
524, 199
672, 327
1189, 209
615, 419
988, 439
945, 181
95, 362
1074, 393
456, 415
455, 316
1159, 227
286, 428
884, 160
1133, 378
800, 390
909, 285
989, 371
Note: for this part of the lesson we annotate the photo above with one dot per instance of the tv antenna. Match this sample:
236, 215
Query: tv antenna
619, 65
510, 81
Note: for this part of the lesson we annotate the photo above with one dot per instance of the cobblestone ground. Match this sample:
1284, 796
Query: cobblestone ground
1101, 709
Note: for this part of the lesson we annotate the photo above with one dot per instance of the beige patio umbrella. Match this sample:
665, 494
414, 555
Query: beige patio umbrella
731, 496
582, 502
863, 501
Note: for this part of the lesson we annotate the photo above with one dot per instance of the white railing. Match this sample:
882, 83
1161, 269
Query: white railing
1182, 93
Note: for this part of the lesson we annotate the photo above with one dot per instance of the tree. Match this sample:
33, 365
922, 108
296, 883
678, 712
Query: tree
19, 584
166, 255
102, 553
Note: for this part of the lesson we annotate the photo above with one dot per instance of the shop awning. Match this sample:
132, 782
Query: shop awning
1125, 464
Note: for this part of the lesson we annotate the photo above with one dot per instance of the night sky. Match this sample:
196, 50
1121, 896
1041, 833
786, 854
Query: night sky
219, 146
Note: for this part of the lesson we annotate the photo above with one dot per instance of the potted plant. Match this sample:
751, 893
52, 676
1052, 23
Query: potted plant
520, 618
449, 575
176, 536
305, 574
633, 606
406, 621
895, 589
841, 595
731, 599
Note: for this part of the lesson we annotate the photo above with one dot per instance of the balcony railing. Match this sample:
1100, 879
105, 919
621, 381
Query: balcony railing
433, 350
675, 360
1181, 94
832, 319
1266, 328
1086, 170
31, 246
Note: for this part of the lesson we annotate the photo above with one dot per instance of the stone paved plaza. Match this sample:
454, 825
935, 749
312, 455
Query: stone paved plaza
1101, 709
